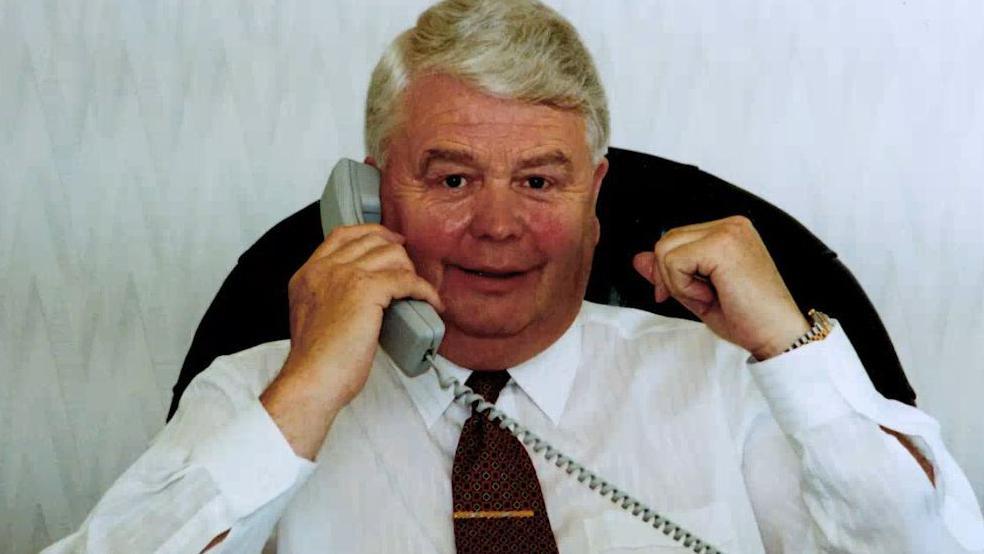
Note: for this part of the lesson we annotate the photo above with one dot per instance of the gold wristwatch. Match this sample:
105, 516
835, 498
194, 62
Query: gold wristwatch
819, 331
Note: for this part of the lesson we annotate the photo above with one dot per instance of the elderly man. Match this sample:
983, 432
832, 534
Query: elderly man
757, 430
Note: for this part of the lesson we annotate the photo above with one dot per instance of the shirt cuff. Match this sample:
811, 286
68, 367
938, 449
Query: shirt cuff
815, 383
250, 461
824, 380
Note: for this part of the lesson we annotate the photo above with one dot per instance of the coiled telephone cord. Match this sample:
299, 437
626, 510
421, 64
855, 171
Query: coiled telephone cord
465, 396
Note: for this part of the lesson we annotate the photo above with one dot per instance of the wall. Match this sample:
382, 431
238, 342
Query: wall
145, 144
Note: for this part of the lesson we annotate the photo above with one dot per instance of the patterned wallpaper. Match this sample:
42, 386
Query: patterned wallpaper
144, 145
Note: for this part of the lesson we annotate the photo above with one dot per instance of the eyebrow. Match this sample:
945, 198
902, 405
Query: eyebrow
442, 155
556, 157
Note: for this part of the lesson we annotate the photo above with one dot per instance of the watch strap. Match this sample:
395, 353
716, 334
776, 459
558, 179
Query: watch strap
821, 327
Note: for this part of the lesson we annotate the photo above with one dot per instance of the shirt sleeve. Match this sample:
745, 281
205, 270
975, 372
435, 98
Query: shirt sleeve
822, 475
220, 464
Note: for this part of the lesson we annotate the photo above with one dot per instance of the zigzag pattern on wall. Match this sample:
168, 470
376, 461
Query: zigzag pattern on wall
143, 146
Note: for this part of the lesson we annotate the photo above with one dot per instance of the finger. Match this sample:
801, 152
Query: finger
385, 257
668, 241
400, 284
341, 236
354, 250
705, 225
687, 269
677, 237
672, 240
645, 264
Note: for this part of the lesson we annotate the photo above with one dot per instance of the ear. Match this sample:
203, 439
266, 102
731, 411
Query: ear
599, 175
370, 161
386, 217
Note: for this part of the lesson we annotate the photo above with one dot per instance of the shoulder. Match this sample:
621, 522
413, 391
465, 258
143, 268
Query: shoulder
633, 325
620, 331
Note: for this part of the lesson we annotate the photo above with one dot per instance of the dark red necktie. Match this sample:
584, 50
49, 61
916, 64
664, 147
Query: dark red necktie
498, 504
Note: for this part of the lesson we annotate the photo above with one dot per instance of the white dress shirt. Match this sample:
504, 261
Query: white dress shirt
783, 455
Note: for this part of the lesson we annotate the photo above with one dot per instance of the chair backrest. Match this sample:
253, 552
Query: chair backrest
642, 197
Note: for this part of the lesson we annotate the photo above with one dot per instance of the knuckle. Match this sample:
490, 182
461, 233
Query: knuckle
405, 263
392, 249
300, 280
661, 249
293, 281
406, 274
346, 233
733, 231
671, 257
337, 234
739, 224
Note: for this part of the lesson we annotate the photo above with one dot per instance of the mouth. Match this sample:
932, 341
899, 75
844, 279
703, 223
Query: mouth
490, 279
492, 273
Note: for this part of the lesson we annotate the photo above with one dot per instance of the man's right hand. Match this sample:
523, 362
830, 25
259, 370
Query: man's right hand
337, 300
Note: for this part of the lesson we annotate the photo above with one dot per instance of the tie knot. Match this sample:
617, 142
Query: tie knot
488, 383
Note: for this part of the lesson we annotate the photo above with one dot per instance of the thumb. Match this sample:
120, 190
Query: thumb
643, 263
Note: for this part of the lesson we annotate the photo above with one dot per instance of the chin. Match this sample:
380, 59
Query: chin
487, 321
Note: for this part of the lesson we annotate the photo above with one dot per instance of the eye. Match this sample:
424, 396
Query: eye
536, 182
454, 181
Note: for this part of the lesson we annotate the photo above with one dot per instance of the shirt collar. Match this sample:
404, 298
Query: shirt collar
546, 379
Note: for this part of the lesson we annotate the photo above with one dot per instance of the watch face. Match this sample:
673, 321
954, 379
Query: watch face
821, 324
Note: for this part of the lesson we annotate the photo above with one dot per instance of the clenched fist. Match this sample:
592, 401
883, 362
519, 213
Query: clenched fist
722, 272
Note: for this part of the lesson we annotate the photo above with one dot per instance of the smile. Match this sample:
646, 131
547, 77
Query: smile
486, 280
492, 274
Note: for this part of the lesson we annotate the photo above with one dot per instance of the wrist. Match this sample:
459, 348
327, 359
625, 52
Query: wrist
291, 390
301, 410
791, 332
324, 380
817, 329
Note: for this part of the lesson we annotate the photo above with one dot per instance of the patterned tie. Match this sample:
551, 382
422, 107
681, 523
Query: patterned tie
498, 504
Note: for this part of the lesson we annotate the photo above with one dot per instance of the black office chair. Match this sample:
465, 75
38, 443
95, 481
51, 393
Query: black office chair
641, 197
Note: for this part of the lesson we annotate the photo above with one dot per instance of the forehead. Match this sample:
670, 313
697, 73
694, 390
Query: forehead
443, 110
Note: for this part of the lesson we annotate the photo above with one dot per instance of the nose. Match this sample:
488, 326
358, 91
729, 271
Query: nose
496, 213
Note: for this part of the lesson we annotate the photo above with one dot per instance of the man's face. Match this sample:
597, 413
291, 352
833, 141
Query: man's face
496, 199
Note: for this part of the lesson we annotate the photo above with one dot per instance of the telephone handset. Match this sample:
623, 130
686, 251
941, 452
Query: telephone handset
412, 331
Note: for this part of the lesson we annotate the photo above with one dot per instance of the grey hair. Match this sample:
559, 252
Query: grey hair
516, 49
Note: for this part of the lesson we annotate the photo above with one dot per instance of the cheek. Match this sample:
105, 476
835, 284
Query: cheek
432, 236
557, 235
